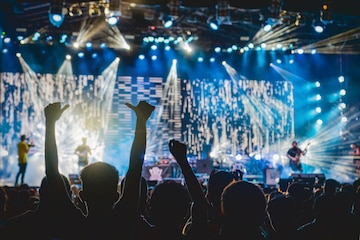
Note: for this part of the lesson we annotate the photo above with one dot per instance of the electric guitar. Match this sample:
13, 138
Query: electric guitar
296, 159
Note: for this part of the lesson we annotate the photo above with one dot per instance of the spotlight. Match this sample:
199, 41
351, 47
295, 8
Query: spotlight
56, 12
141, 57
167, 48
318, 109
81, 54
238, 157
318, 26
318, 97
267, 27
263, 45
76, 45
18, 55
291, 61
342, 92
5, 50
300, 51
229, 50
276, 157
317, 84
223, 63
153, 47
200, 59
278, 61
212, 59
68, 57
75, 10
88, 44
344, 119
174, 61
319, 122
103, 45
7, 40
153, 57
94, 55
217, 49
342, 106
168, 22
117, 59
251, 45
213, 23
112, 20
341, 79
257, 156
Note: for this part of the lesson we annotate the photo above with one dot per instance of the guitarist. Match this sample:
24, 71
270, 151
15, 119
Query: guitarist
82, 151
294, 154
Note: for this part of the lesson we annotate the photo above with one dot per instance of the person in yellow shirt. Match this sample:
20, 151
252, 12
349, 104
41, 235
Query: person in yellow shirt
23, 149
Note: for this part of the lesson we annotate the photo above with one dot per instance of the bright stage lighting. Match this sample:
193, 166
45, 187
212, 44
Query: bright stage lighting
279, 61
117, 59
276, 157
341, 79
317, 84
213, 23
68, 57
94, 55
112, 21
76, 45
153, 57
103, 45
313, 51
238, 157
257, 156
153, 47
319, 122
81, 54
318, 109
217, 49
223, 63
141, 57
174, 61
291, 61
344, 119
7, 40
267, 28
5, 50
212, 59
18, 55
342, 106
342, 92
319, 29
200, 59
229, 50
300, 51
263, 45
88, 44
251, 45
167, 48
168, 22
318, 97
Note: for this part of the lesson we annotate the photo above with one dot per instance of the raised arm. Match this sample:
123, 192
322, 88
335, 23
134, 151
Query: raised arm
200, 204
52, 114
132, 180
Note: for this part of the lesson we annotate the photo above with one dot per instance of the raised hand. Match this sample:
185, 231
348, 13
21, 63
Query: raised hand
53, 111
178, 150
143, 110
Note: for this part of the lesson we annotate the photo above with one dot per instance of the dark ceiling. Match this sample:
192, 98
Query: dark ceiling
244, 24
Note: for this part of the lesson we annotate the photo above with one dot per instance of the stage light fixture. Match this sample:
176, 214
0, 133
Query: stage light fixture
200, 59
153, 47
88, 44
326, 11
342, 92
344, 119
167, 48
141, 57
229, 50
5, 50
238, 157
212, 59
57, 12
76, 45
267, 27
318, 109
7, 40
68, 57
263, 45
213, 23
217, 49
18, 55
153, 57
341, 79
251, 45
75, 10
94, 10
313, 51
342, 106
300, 51
318, 97
319, 122
102, 45
81, 54
112, 20
317, 84
168, 22
94, 55
291, 61
223, 63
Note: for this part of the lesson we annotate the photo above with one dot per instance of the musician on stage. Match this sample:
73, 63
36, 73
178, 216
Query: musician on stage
294, 155
83, 151
23, 149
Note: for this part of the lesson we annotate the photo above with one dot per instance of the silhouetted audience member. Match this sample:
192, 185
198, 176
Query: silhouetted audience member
48, 221
169, 209
108, 217
244, 208
282, 212
216, 184
331, 186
